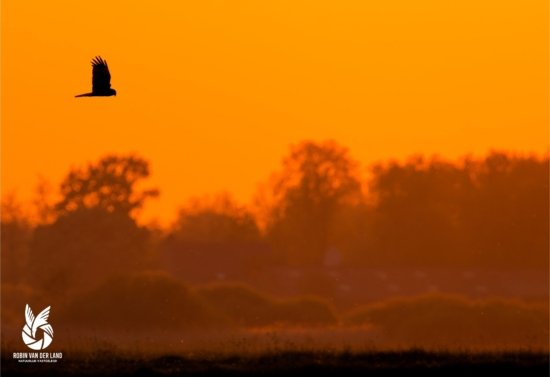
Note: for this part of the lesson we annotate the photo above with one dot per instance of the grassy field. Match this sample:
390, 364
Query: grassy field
375, 363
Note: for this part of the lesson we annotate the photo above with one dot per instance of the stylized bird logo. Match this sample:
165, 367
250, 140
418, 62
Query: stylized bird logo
40, 320
32, 324
101, 80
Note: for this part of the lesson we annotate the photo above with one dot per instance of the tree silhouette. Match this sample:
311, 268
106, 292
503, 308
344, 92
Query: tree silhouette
220, 221
213, 239
109, 184
86, 247
477, 214
317, 182
505, 218
93, 236
416, 211
16, 233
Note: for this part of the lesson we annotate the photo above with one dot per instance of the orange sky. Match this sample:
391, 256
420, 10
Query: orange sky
213, 92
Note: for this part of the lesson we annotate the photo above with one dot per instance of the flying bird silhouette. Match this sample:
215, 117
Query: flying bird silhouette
101, 80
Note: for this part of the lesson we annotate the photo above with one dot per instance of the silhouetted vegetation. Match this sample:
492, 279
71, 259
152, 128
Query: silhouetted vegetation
308, 198
478, 213
321, 247
434, 320
163, 303
149, 301
109, 185
85, 247
245, 307
220, 236
16, 234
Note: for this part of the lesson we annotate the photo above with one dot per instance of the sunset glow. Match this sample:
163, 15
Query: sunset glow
213, 93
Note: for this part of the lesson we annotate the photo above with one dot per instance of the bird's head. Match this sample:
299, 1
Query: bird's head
113, 92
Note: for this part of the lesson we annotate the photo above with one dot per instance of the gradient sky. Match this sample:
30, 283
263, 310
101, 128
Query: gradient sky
212, 93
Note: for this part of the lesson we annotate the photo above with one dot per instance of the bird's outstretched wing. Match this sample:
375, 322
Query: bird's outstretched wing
101, 78
41, 319
29, 317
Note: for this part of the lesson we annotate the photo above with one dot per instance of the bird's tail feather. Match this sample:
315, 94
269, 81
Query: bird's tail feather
84, 95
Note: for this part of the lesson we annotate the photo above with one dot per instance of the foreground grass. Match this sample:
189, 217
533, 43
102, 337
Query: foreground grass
318, 363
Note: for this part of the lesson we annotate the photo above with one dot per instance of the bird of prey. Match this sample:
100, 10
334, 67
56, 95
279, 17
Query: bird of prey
101, 80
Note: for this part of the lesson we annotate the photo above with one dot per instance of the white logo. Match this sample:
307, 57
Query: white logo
34, 323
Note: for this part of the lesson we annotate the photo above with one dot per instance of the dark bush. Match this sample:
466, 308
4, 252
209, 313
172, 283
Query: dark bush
444, 320
140, 302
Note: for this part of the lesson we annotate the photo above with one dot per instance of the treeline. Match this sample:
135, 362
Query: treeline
317, 212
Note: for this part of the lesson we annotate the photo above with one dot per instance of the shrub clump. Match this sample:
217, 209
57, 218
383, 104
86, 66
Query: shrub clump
246, 307
446, 320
